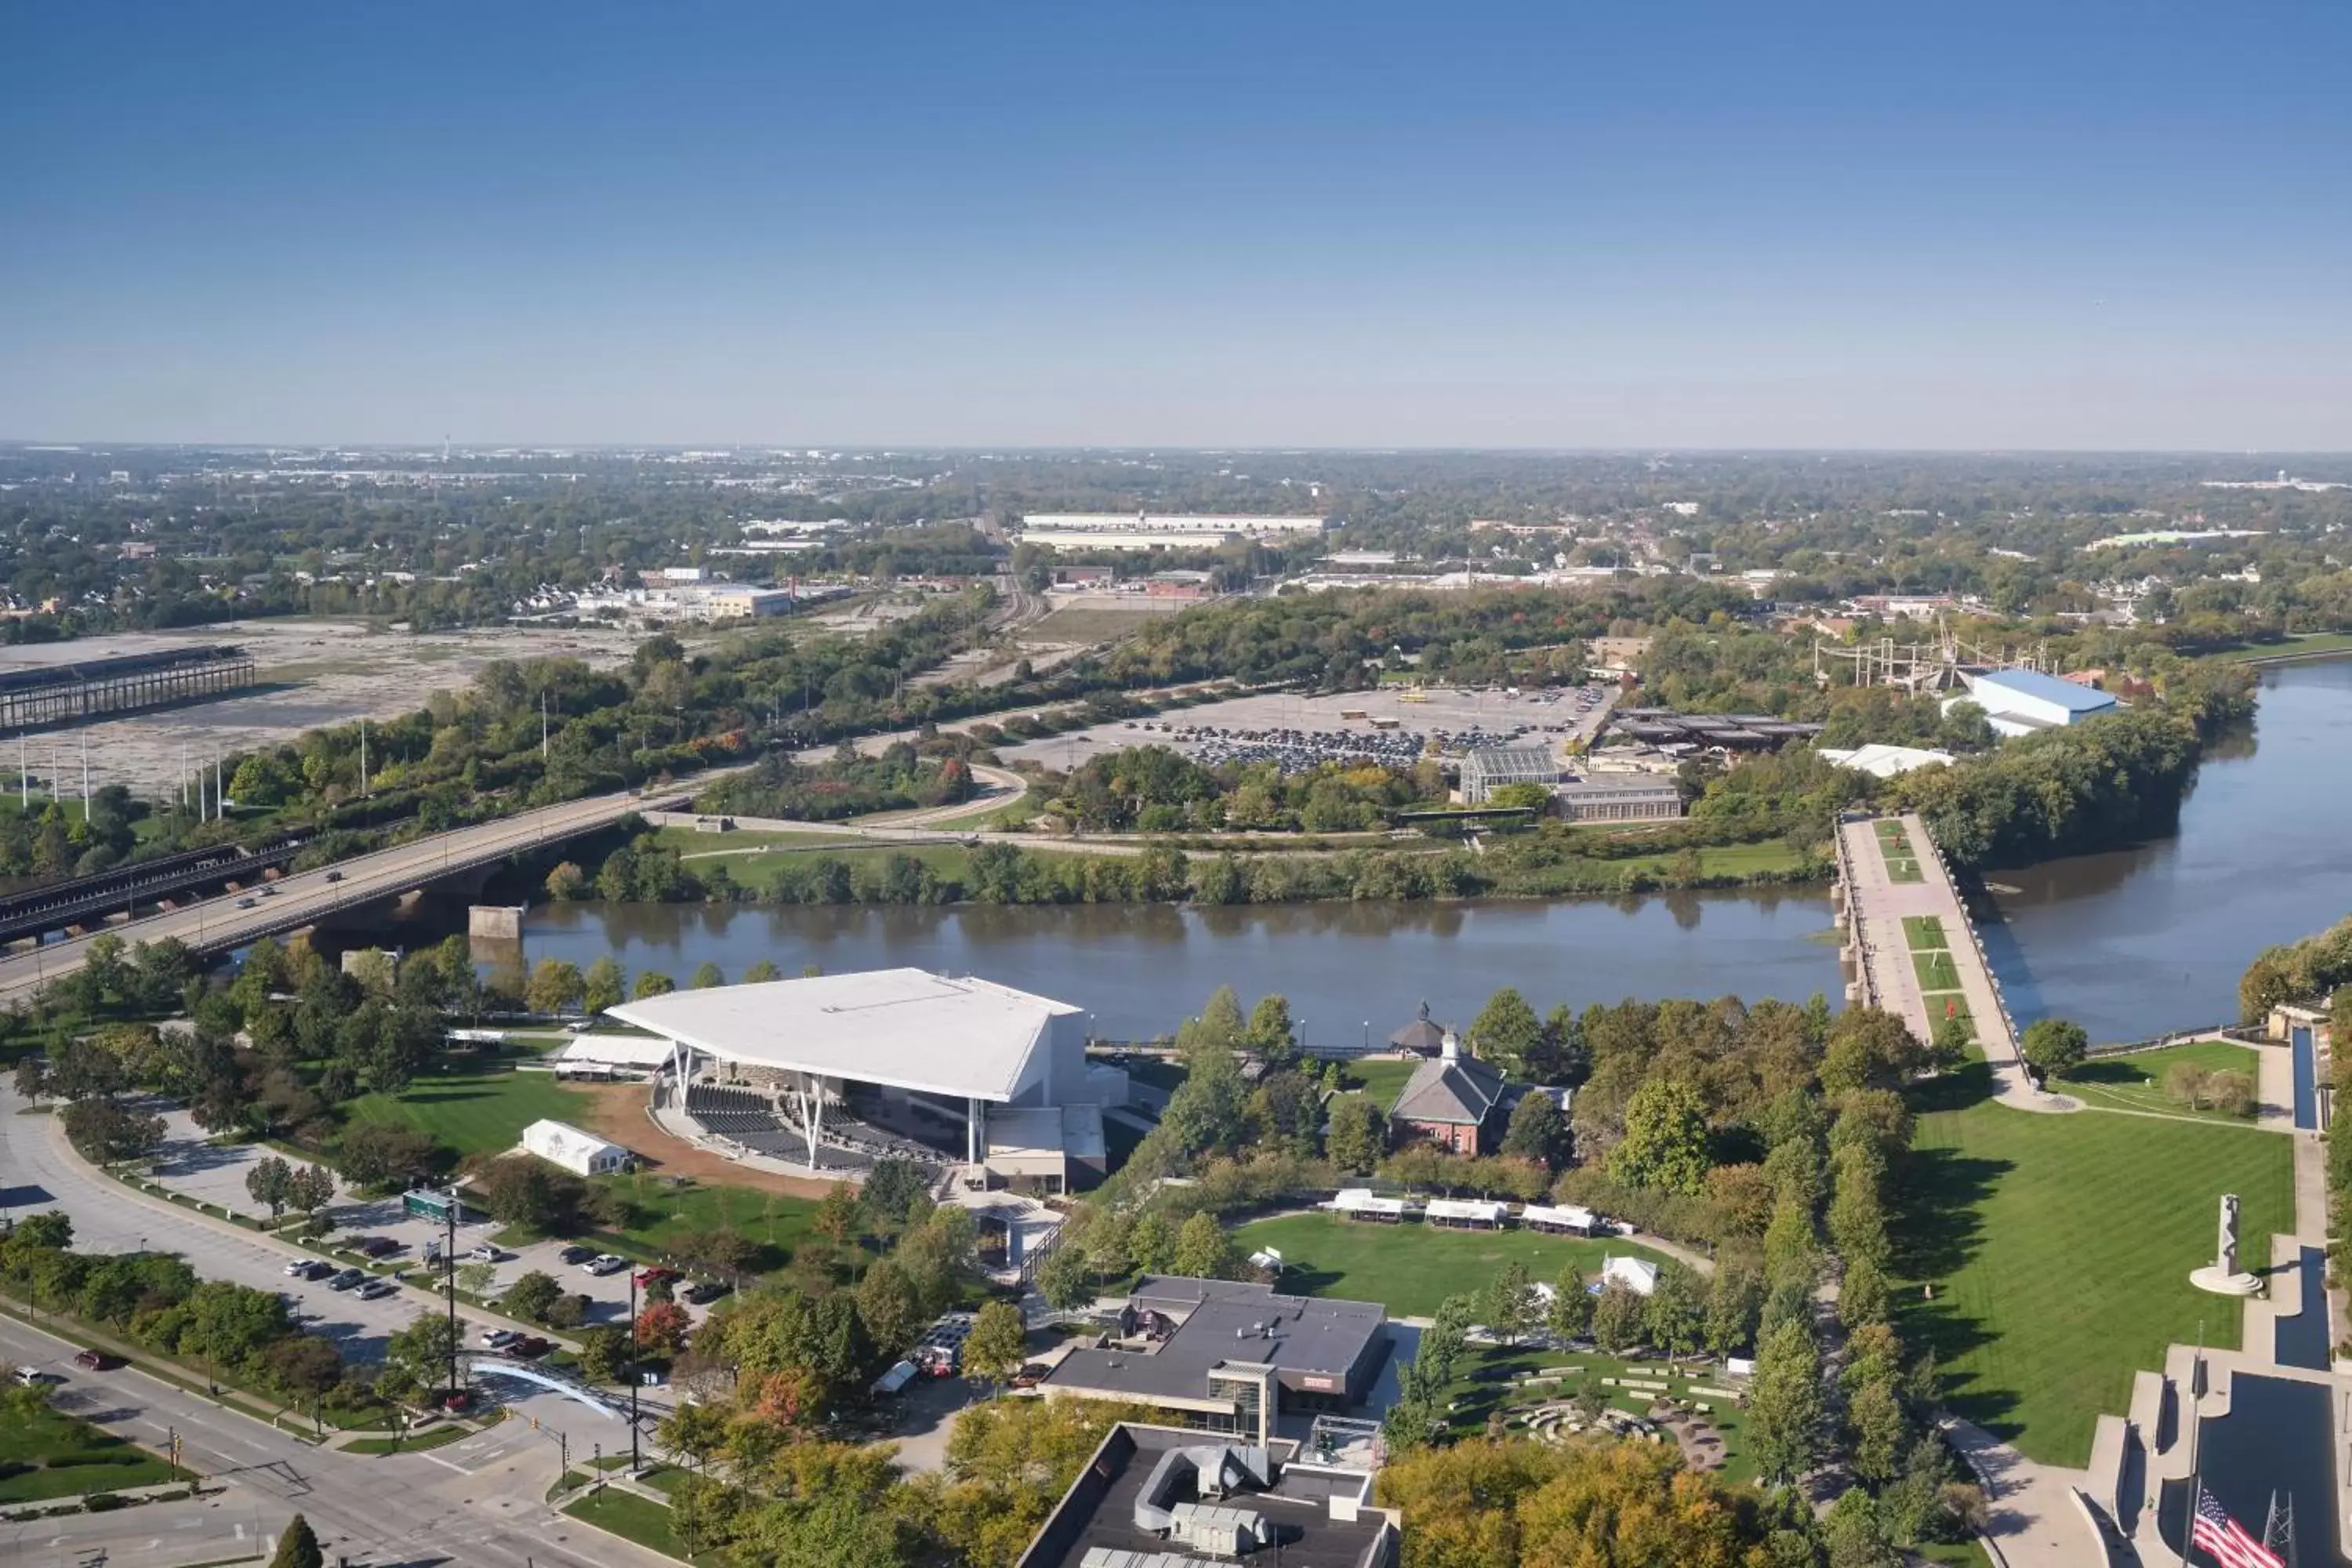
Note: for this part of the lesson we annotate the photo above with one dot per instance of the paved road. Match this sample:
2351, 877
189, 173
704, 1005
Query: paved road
215, 925
479, 1501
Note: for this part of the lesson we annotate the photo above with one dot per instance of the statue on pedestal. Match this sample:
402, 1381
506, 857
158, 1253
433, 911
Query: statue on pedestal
2222, 1277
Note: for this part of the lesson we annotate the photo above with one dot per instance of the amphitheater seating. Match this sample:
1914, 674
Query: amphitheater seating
736, 1113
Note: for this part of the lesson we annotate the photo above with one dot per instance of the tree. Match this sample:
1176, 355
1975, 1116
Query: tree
652, 983
106, 1131
1065, 1280
1153, 1243
1204, 1251
1879, 1431
1618, 1318
1784, 1403
1568, 1314
1735, 1299
567, 882
530, 1297
1270, 1036
1510, 1307
762, 973
388, 1154
891, 1307
1537, 1131
605, 985
997, 1345
891, 1191
556, 986
297, 1546
524, 1190
708, 975
1675, 1316
662, 1328
695, 1429
309, 1188
2053, 1045
269, 1181
1506, 1032
1358, 1134
477, 1279
602, 1351
1947, 1043
838, 1214
1666, 1142
423, 1349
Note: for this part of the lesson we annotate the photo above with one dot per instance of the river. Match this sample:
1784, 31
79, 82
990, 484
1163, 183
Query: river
2129, 943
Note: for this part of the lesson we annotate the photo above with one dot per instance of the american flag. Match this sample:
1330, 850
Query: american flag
2227, 1539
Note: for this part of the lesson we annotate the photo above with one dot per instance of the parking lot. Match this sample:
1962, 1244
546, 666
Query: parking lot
1393, 725
190, 1164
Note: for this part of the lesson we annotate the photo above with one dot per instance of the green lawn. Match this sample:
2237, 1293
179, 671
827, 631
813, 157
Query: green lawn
2137, 1081
1383, 1080
439, 1437
1937, 970
2060, 1249
2323, 642
1923, 932
1409, 1269
45, 1454
475, 1112
1903, 869
636, 1519
664, 1213
1485, 1384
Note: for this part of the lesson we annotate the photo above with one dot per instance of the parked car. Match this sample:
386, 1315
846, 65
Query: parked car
498, 1339
703, 1290
379, 1246
575, 1254
347, 1279
309, 1269
606, 1263
654, 1271
529, 1347
485, 1253
1031, 1375
375, 1289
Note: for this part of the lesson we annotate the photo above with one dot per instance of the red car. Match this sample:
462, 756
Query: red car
652, 1272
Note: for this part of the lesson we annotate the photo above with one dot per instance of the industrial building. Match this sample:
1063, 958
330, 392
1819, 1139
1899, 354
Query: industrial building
1625, 798
1223, 1356
834, 1071
2020, 702
1486, 768
1164, 531
35, 690
692, 601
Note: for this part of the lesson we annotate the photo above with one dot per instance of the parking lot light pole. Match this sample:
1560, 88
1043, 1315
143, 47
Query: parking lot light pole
449, 1269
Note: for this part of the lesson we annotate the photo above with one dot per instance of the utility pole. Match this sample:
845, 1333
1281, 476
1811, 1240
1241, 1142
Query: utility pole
220, 798
363, 789
84, 779
23, 780
542, 726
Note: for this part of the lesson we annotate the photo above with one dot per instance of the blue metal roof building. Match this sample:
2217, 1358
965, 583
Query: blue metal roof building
2020, 702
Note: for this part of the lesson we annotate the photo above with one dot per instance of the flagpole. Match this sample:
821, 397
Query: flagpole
2196, 1459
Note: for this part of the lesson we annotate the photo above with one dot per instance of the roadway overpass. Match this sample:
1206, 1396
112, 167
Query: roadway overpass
305, 898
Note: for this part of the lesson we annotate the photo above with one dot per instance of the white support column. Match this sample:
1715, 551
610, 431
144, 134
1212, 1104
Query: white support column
975, 1141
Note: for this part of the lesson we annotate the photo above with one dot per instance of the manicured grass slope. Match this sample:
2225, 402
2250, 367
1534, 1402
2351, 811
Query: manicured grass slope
1382, 1080
475, 1112
1409, 1269
2060, 1249
2137, 1081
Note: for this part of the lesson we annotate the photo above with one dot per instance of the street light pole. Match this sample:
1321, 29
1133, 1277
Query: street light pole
636, 1376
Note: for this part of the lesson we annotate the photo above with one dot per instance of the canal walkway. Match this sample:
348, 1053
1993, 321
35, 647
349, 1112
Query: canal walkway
1913, 949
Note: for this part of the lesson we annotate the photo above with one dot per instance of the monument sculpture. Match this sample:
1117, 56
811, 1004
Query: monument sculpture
2222, 1275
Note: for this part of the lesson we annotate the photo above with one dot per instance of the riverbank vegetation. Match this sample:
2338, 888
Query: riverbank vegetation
844, 785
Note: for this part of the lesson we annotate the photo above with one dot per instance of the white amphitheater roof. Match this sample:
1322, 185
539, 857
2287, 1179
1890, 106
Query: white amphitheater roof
905, 1027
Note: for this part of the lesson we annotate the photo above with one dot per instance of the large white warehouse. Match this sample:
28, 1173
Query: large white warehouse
2020, 702
1076, 531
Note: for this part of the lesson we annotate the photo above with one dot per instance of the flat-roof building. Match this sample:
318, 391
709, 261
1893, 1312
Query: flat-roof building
1153, 1497
1623, 798
1225, 1356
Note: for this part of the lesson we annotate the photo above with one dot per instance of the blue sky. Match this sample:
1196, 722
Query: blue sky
1565, 225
